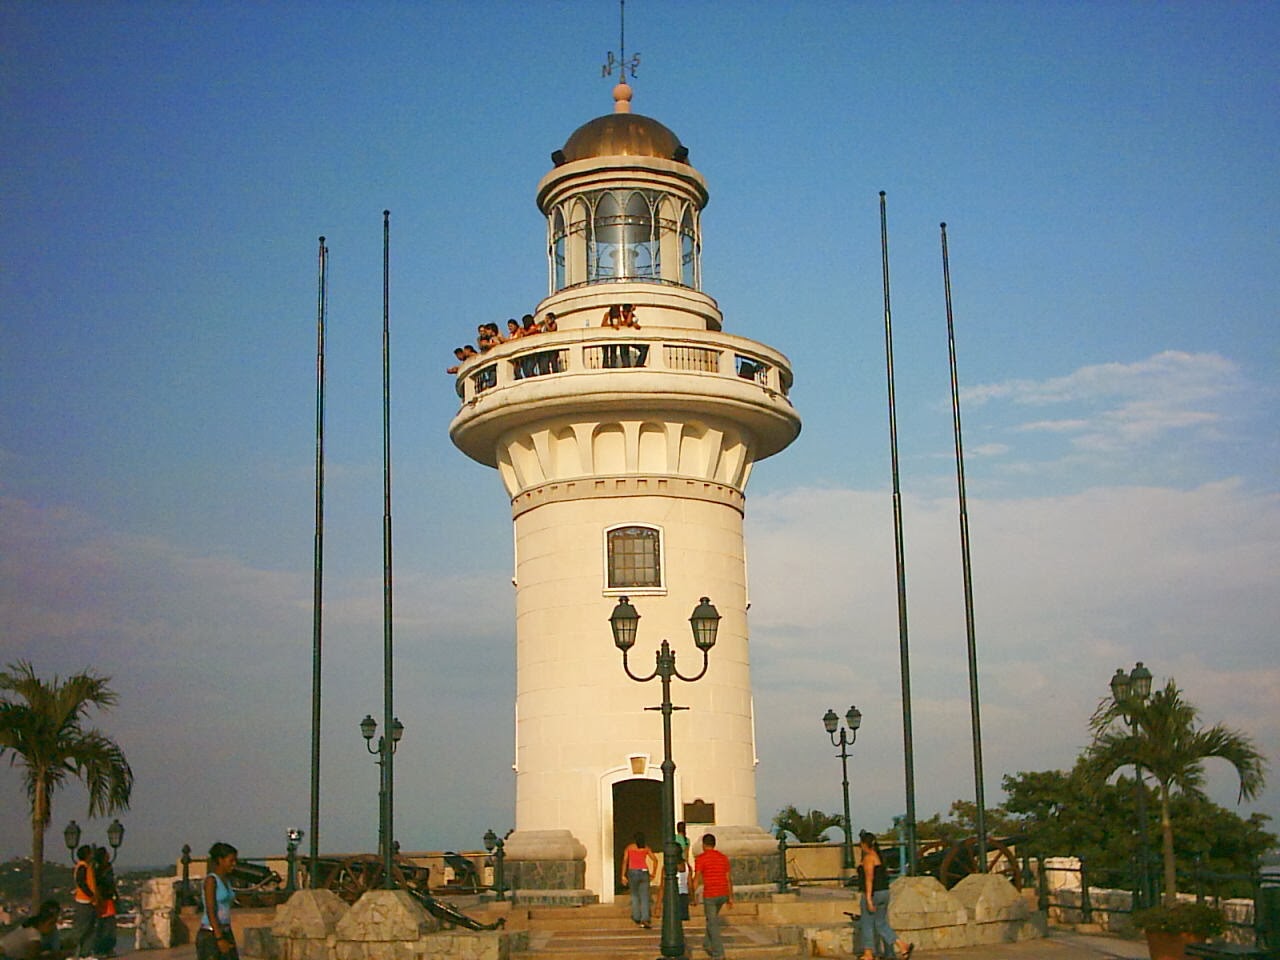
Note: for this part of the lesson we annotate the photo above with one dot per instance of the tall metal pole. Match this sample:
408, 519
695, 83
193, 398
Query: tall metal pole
388, 752
900, 558
848, 821
975, 718
322, 307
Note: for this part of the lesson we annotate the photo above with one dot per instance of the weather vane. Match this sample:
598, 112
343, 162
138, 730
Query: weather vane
622, 63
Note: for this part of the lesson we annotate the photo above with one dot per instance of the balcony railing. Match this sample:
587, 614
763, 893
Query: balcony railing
506, 366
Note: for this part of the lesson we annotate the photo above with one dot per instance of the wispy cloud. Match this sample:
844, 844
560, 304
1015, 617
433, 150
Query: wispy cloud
1112, 408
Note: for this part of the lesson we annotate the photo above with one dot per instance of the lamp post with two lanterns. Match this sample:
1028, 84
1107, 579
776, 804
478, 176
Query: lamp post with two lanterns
705, 621
853, 720
385, 749
115, 837
1129, 691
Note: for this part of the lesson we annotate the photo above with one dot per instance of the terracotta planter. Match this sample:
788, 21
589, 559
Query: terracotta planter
1170, 946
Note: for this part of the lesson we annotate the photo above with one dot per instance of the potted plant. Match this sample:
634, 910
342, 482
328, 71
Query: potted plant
1169, 927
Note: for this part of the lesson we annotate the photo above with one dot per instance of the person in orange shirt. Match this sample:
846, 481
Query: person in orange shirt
84, 920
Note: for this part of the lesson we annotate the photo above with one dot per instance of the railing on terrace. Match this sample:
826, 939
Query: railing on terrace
625, 354
1103, 893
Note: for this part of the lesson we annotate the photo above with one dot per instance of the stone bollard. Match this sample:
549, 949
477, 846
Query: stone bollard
383, 924
997, 912
922, 911
305, 926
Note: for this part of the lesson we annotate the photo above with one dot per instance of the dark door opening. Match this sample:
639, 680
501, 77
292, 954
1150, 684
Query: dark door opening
637, 808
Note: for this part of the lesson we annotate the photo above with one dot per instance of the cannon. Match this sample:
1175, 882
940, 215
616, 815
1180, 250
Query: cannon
952, 862
349, 877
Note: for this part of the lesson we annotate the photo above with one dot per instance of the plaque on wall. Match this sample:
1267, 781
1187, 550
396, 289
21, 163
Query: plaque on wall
699, 812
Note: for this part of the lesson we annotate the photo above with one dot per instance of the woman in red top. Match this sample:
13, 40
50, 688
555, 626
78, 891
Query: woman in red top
639, 864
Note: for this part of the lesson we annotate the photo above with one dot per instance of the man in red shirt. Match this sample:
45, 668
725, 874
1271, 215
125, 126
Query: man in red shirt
712, 875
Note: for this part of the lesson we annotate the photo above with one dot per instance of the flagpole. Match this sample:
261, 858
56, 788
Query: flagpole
908, 749
322, 308
387, 702
970, 633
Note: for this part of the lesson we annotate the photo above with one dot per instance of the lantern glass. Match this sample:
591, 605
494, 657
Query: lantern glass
853, 718
71, 835
624, 621
1140, 682
705, 622
115, 834
831, 721
368, 727
397, 730
1120, 686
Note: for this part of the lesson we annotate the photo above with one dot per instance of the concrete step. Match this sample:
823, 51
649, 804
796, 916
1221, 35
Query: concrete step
611, 917
743, 941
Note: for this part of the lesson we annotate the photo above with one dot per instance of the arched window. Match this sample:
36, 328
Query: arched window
688, 250
605, 255
639, 238
558, 243
633, 558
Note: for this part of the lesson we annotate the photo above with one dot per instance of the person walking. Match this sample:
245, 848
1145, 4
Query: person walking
215, 940
875, 900
712, 873
639, 864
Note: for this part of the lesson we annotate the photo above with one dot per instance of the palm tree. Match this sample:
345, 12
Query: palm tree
1166, 742
42, 730
808, 827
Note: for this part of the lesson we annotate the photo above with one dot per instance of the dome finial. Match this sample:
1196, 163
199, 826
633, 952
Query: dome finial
622, 92
622, 97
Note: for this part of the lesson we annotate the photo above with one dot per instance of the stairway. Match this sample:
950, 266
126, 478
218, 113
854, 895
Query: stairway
605, 932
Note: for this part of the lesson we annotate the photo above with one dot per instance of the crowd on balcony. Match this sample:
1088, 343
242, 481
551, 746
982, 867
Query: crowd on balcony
489, 335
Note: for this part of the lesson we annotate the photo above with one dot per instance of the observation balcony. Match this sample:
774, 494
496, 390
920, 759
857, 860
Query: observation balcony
660, 374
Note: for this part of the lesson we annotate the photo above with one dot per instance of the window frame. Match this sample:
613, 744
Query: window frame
660, 589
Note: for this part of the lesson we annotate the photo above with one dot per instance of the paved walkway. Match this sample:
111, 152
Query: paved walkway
1060, 945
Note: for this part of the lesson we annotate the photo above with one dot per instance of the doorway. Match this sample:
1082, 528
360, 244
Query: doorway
637, 808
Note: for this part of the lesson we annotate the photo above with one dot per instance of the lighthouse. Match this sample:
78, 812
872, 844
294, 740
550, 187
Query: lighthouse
624, 439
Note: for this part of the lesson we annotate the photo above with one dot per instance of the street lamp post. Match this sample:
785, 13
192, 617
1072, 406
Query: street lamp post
705, 621
1130, 691
848, 735
291, 856
495, 845
386, 748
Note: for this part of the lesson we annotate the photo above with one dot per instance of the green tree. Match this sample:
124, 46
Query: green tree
42, 730
808, 827
1167, 742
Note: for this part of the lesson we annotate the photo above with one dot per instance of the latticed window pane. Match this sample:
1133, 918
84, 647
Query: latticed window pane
634, 557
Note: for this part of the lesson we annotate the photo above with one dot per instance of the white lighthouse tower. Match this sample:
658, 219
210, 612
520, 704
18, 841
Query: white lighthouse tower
626, 453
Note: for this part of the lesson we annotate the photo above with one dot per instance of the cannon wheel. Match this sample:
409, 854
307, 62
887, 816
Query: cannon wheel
356, 875
962, 860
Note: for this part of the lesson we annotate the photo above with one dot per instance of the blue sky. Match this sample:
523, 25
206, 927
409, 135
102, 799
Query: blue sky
1108, 174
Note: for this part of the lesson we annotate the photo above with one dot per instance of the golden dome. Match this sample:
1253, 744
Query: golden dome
623, 135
